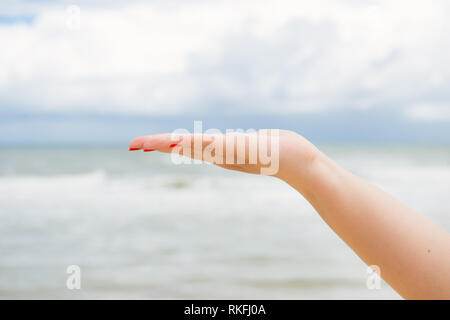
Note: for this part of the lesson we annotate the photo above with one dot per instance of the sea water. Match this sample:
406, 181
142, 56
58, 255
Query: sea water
140, 227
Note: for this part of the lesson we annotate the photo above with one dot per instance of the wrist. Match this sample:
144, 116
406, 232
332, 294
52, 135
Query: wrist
301, 164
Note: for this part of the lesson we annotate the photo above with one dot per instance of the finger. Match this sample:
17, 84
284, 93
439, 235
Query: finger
231, 148
154, 142
195, 146
167, 142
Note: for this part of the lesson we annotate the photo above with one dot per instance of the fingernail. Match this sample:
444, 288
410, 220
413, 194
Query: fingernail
173, 145
134, 149
148, 150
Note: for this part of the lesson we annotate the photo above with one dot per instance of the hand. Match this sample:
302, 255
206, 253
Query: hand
271, 152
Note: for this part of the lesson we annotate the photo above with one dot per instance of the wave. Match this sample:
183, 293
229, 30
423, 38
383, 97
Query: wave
198, 193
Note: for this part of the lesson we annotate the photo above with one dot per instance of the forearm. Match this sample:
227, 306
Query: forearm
412, 253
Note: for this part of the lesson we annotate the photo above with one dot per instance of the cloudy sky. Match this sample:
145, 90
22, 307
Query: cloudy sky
363, 63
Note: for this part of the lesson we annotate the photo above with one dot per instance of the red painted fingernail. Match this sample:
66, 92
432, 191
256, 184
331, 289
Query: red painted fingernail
173, 145
134, 149
148, 150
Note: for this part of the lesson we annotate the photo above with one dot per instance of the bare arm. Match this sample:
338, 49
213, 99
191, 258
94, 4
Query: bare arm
412, 253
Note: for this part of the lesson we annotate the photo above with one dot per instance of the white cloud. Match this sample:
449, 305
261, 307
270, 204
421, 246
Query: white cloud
271, 56
430, 113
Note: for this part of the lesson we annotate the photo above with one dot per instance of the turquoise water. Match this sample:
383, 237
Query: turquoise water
140, 227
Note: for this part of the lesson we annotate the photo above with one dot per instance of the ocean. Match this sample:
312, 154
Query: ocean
140, 227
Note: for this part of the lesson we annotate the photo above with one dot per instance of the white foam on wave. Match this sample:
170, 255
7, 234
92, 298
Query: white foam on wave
44, 182
99, 194
195, 193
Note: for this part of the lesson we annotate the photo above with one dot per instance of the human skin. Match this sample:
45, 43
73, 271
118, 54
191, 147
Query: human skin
413, 254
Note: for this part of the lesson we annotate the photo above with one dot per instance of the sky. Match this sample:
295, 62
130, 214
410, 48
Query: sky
349, 70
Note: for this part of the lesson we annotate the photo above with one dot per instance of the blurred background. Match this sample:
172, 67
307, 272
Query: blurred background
366, 81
